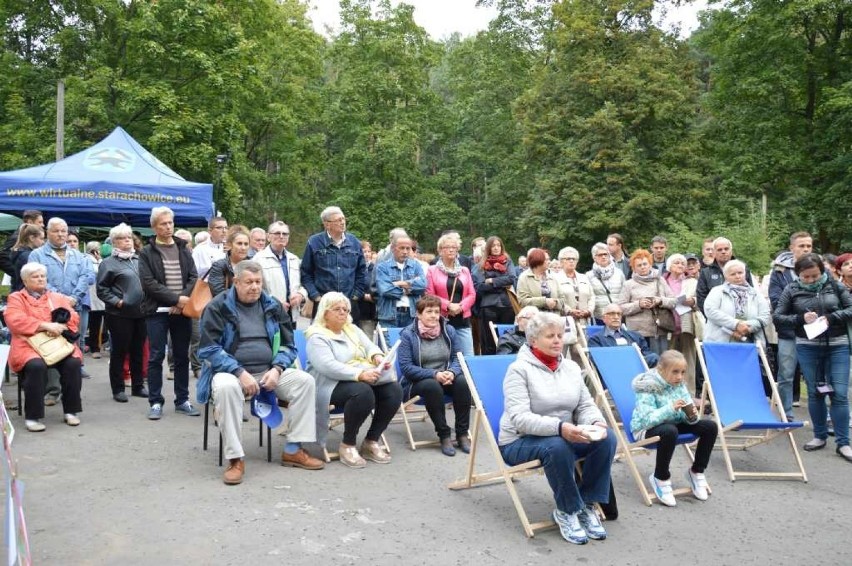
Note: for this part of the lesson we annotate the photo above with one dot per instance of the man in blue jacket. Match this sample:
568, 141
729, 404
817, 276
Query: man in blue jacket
614, 334
400, 282
247, 344
333, 261
68, 272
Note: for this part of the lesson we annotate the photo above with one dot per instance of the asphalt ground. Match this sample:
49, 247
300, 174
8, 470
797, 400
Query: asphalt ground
120, 489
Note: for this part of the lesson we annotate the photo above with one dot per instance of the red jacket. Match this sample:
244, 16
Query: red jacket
436, 284
24, 313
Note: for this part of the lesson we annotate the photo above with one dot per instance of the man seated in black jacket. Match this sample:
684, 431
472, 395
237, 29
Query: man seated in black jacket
614, 334
511, 342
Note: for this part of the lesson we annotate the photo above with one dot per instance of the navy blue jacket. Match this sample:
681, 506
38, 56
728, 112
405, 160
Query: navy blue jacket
408, 356
601, 340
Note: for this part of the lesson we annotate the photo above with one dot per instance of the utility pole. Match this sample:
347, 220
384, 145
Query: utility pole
60, 119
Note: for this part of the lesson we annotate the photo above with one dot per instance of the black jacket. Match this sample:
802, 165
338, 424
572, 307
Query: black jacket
153, 276
118, 280
712, 276
832, 301
6, 265
220, 276
510, 342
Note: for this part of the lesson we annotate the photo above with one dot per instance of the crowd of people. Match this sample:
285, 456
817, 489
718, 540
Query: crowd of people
243, 345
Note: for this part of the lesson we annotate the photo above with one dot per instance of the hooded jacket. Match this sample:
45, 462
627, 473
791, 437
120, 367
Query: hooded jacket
654, 398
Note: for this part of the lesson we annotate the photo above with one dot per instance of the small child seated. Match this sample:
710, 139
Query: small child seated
665, 408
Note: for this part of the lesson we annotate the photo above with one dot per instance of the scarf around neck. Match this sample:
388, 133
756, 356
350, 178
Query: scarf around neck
454, 270
816, 285
740, 293
650, 278
122, 254
428, 333
495, 263
552, 362
603, 273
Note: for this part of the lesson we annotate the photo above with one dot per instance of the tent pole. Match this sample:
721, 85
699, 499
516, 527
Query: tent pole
60, 119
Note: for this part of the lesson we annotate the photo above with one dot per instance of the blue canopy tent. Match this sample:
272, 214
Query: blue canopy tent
115, 180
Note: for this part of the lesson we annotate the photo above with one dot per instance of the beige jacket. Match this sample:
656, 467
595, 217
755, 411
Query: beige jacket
638, 319
273, 278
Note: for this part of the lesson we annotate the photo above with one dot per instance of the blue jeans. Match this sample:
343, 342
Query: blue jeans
465, 340
160, 326
558, 456
401, 321
83, 326
786, 372
829, 364
658, 344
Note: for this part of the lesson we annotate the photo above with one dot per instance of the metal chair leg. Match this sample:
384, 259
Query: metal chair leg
206, 423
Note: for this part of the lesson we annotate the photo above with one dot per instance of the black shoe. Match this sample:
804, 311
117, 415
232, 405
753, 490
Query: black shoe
140, 392
464, 443
121, 397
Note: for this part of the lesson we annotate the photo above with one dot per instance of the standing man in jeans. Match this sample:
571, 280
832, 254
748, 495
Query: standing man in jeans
401, 282
334, 261
168, 275
783, 274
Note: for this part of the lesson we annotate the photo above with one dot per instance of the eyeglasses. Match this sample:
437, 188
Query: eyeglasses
279, 233
340, 310
340, 220
601, 254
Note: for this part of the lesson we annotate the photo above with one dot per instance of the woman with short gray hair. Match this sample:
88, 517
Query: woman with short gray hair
549, 415
606, 279
119, 287
735, 311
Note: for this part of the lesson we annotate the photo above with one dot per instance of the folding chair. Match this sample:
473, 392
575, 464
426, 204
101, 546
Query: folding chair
734, 385
259, 435
498, 330
485, 376
301, 349
387, 337
616, 367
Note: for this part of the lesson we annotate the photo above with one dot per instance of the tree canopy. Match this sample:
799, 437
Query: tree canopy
562, 122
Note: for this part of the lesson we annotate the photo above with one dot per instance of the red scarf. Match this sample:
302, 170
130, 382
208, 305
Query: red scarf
495, 263
552, 362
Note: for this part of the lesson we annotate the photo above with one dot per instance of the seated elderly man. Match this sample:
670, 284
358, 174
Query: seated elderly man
615, 334
510, 342
247, 343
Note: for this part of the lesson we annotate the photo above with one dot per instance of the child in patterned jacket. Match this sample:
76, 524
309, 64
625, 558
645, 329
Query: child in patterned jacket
665, 408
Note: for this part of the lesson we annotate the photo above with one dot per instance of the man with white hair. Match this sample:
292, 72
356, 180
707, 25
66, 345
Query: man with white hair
333, 261
68, 272
257, 239
712, 275
282, 272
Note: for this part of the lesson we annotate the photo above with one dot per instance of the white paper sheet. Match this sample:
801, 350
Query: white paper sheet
816, 328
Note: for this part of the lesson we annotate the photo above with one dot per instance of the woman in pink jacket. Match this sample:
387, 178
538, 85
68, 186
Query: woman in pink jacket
28, 312
453, 284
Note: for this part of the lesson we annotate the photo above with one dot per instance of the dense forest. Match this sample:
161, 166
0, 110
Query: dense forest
562, 122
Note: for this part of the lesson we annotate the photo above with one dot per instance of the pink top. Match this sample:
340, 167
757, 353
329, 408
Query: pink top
436, 284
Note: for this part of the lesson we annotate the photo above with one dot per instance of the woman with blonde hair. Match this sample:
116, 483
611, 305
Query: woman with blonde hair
453, 284
348, 368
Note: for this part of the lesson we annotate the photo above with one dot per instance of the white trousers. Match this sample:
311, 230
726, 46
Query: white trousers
295, 386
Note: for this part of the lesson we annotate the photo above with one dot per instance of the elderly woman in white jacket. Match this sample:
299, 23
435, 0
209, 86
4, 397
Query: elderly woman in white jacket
736, 311
348, 369
549, 415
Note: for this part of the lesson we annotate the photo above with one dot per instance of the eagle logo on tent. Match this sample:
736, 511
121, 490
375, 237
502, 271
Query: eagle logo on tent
109, 159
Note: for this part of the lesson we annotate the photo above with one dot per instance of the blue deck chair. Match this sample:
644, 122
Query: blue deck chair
735, 388
386, 336
301, 349
498, 330
485, 377
613, 370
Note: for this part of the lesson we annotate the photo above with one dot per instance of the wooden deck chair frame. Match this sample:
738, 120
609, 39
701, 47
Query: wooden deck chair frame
504, 473
379, 337
626, 448
730, 439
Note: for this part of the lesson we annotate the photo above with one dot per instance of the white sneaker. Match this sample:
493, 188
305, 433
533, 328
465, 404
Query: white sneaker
698, 483
663, 490
34, 426
71, 419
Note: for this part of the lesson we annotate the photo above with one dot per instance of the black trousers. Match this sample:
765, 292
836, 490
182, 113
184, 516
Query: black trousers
706, 431
497, 315
433, 393
358, 399
128, 336
35, 381
94, 339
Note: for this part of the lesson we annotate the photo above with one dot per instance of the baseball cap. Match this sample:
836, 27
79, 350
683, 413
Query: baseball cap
264, 406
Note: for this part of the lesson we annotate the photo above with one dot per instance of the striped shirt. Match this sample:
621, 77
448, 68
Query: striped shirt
171, 265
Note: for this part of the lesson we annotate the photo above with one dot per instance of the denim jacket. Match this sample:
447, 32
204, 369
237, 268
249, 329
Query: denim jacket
71, 278
386, 273
220, 331
326, 267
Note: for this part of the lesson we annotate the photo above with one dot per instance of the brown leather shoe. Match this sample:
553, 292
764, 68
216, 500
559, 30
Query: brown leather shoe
235, 471
301, 459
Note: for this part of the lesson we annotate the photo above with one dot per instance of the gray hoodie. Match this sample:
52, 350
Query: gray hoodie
537, 399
